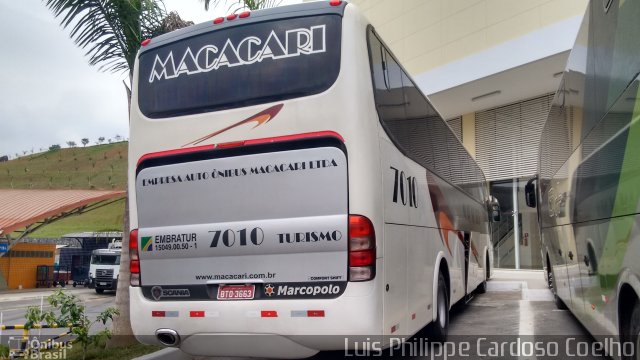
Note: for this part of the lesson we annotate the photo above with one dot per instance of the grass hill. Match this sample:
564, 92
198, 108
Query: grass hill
100, 167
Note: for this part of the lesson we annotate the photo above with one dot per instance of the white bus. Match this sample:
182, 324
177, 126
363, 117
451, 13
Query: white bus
288, 178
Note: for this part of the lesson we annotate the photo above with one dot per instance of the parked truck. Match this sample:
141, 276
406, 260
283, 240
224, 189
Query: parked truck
105, 267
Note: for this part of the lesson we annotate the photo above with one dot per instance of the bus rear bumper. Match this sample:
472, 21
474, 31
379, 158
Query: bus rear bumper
267, 329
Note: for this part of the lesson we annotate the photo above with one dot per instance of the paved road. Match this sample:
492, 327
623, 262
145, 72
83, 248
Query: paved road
517, 307
13, 306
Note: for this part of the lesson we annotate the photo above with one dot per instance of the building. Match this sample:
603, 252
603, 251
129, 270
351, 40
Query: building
18, 268
491, 68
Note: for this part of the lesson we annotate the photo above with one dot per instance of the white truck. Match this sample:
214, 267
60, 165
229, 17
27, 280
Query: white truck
105, 267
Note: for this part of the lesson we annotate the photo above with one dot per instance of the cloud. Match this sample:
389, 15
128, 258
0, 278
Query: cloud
48, 92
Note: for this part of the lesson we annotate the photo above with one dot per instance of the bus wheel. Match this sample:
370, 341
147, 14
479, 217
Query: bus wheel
552, 285
437, 330
632, 333
547, 272
482, 288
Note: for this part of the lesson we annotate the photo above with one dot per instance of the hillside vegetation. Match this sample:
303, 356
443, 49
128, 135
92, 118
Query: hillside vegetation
106, 218
100, 167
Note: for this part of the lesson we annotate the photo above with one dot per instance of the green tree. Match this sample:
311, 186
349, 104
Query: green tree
111, 31
71, 313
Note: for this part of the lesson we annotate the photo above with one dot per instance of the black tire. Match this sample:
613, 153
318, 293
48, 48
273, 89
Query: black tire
63, 283
547, 273
488, 267
552, 286
632, 331
75, 284
437, 330
482, 288
99, 291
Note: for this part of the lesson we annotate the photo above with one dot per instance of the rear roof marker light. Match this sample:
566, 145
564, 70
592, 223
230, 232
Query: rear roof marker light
145, 42
230, 144
335, 2
231, 17
218, 20
245, 14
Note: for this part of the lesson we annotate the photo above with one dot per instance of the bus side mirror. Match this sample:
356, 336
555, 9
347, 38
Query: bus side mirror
530, 193
495, 215
494, 208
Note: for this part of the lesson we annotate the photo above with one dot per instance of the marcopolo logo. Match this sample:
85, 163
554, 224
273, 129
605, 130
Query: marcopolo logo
301, 290
268, 290
157, 292
251, 49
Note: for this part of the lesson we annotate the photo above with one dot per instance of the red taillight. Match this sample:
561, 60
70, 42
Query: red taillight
218, 20
315, 313
362, 258
335, 2
196, 314
268, 313
231, 17
134, 259
145, 42
362, 248
245, 14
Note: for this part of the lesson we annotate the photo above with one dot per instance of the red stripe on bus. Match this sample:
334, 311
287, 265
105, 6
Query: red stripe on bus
239, 143
294, 137
174, 152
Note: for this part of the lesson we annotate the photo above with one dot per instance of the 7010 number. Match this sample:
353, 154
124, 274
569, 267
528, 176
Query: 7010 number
228, 237
404, 189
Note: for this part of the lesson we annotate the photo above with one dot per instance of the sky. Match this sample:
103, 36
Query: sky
48, 92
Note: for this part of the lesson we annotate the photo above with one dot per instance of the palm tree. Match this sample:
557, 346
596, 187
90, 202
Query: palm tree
111, 31
237, 5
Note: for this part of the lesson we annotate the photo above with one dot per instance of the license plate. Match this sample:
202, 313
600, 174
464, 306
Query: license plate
102, 283
236, 292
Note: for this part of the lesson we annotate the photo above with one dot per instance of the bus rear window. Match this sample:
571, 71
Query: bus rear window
240, 66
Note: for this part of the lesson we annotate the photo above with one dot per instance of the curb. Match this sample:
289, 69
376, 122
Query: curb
34, 296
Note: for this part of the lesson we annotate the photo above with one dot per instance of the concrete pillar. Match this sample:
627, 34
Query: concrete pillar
469, 133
